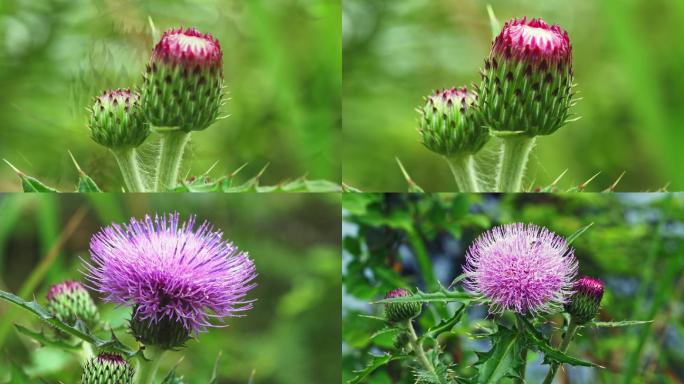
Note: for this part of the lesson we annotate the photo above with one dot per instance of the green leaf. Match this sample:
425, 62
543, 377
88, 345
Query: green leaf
412, 186
78, 330
615, 324
551, 353
45, 340
578, 233
376, 362
442, 296
29, 183
499, 362
446, 324
85, 183
493, 21
18, 376
171, 378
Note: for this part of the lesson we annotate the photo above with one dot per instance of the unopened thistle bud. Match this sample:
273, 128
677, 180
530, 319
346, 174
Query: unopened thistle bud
70, 301
165, 333
527, 80
107, 368
448, 124
585, 302
116, 120
399, 312
183, 81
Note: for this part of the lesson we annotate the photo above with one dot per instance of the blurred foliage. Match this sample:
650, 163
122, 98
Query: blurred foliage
282, 69
628, 73
412, 240
292, 334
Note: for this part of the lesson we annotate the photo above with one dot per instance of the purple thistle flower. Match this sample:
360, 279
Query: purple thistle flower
523, 268
171, 272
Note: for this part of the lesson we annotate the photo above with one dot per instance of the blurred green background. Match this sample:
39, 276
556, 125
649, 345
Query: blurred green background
635, 247
292, 335
282, 72
628, 68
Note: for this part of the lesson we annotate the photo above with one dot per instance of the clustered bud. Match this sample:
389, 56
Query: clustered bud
165, 333
70, 301
399, 312
116, 121
527, 80
586, 300
183, 81
448, 124
107, 368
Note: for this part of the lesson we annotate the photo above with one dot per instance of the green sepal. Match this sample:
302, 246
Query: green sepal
176, 96
515, 96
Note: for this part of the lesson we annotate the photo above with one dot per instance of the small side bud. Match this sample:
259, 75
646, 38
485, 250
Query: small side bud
585, 302
107, 368
70, 301
116, 120
164, 332
448, 124
399, 312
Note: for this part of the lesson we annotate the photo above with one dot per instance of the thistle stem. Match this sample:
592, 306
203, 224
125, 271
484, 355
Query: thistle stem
523, 351
463, 169
170, 155
567, 338
514, 153
128, 164
147, 370
86, 352
418, 350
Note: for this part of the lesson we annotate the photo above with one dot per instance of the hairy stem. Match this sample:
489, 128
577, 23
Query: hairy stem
147, 370
523, 351
514, 153
567, 338
418, 350
128, 164
463, 169
170, 155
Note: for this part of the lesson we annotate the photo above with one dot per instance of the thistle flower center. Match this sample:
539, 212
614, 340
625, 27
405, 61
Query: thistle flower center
193, 43
535, 36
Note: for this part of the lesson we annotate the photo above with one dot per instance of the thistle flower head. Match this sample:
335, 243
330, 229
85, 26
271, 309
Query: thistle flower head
527, 79
533, 41
188, 48
523, 268
398, 312
177, 277
70, 301
107, 368
116, 121
586, 300
183, 82
448, 125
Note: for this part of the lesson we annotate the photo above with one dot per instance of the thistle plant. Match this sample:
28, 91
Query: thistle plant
181, 91
178, 279
526, 91
525, 275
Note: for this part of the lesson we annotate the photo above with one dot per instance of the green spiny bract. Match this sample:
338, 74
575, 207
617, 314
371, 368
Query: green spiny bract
165, 333
585, 302
107, 368
399, 312
70, 301
449, 126
527, 80
183, 82
116, 120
